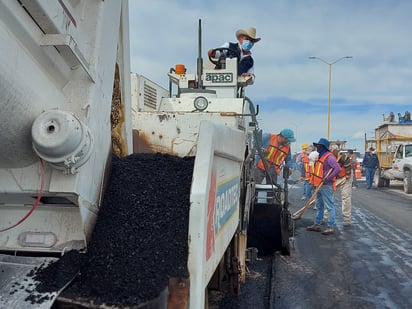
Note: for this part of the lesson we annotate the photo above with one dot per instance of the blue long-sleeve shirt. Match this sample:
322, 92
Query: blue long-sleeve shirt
370, 160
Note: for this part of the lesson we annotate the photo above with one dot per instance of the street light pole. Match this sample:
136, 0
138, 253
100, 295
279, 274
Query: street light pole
329, 83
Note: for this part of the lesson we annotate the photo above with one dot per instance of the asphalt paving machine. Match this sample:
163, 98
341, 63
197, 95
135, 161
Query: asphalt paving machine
209, 116
68, 102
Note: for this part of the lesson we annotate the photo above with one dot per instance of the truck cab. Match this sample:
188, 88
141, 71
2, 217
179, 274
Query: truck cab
393, 144
402, 166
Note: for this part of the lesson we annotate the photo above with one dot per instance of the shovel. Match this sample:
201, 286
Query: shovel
298, 213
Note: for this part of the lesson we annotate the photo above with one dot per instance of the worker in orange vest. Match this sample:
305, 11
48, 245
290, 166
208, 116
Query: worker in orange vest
302, 162
325, 170
276, 150
344, 184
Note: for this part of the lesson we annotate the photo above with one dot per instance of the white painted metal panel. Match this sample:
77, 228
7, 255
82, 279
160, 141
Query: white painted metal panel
214, 212
35, 78
25, 88
173, 133
64, 222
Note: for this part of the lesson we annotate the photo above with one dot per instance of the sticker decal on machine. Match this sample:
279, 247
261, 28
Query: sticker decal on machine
210, 234
219, 77
227, 199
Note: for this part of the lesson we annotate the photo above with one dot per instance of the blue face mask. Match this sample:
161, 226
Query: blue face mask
247, 45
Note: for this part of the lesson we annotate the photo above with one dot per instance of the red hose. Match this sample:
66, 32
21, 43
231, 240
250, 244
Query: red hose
36, 203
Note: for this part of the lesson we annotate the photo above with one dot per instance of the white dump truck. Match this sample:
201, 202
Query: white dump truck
68, 102
393, 144
59, 64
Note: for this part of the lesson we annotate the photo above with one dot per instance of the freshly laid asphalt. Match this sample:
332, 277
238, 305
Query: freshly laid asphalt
368, 265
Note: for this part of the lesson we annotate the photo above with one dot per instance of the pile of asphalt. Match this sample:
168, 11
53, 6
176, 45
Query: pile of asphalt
141, 235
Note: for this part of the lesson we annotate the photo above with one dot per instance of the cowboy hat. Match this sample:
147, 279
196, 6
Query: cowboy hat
250, 32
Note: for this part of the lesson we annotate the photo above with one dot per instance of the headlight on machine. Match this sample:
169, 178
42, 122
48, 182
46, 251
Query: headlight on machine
201, 103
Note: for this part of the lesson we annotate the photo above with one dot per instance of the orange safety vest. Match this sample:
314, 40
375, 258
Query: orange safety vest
274, 154
342, 172
306, 166
352, 157
317, 175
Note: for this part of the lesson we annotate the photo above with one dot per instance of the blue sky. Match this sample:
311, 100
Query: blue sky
292, 90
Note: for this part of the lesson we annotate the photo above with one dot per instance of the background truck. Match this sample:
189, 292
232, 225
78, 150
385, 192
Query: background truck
68, 103
393, 144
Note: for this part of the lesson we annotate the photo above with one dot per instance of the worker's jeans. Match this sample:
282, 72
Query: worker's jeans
307, 189
324, 199
369, 174
345, 189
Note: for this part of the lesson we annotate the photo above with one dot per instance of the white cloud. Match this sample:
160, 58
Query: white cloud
377, 35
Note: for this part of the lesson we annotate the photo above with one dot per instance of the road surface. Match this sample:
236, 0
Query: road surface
368, 265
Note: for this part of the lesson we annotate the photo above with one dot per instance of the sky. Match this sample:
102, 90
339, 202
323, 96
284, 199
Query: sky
291, 89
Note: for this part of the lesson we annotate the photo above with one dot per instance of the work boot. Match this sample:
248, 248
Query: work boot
328, 231
314, 228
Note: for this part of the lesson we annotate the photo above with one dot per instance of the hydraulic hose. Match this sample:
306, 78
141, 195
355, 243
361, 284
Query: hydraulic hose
36, 202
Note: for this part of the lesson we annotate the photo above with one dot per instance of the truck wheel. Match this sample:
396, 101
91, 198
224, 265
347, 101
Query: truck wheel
381, 181
407, 182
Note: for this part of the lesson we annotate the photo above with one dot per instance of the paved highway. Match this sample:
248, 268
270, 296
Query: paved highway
368, 265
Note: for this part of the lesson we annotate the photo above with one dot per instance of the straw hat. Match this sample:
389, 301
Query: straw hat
250, 32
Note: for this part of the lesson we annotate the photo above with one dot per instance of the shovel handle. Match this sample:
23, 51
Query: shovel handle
297, 214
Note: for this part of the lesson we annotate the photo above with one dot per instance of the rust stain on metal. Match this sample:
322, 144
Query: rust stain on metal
117, 117
143, 144
228, 114
178, 293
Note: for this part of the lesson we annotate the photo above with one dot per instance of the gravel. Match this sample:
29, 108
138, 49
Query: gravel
141, 235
